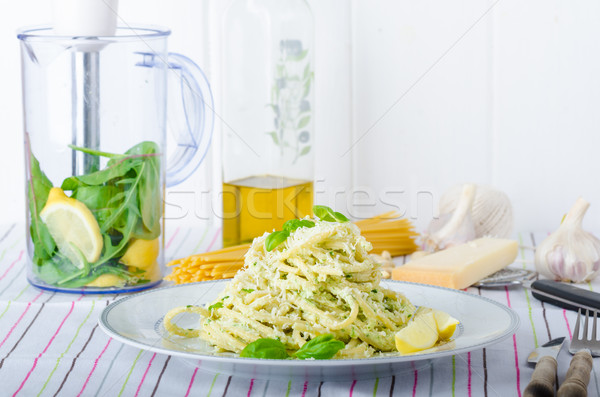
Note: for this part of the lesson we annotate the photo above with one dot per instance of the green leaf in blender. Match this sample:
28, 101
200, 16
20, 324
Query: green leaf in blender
37, 190
125, 198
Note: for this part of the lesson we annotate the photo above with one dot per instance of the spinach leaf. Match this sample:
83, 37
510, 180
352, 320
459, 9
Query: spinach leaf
98, 199
265, 348
117, 170
95, 152
108, 268
110, 249
276, 238
149, 196
322, 347
129, 203
55, 269
125, 198
37, 191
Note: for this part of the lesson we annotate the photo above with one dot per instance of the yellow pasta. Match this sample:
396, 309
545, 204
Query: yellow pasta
386, 232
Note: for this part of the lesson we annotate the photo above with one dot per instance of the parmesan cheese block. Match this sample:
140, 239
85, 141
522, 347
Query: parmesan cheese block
460, 266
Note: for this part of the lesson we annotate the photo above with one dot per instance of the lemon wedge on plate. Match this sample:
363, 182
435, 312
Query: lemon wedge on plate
419, 334
73, 227
446, 324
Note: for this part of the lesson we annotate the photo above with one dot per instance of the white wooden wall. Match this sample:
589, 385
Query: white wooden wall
412, 98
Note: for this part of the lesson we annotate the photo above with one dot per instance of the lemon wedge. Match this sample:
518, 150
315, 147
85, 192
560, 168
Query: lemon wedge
73, 227
141, 253
420, 334
446, 324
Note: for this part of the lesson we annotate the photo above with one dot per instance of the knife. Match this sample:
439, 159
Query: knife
565, 295
556, 293
542, 380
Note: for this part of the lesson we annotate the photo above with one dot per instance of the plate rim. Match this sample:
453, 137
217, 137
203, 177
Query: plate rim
111, 332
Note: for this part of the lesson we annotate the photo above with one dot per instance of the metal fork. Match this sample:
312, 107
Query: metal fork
592, 345
582, 348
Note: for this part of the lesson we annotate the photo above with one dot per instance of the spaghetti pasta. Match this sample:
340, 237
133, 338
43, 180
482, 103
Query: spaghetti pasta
320, 280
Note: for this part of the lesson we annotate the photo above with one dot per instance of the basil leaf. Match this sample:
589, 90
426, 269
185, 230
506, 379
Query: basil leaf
217, 305
276, 238
265, 348
324, 213
294, 224
322, 347
340, 217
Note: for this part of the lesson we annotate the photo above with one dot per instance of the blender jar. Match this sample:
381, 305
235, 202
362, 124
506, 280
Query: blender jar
95, 119
268, 116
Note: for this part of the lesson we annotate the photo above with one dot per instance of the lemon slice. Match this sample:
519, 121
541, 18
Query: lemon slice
73, 227
141, 253
419, 334
446, 324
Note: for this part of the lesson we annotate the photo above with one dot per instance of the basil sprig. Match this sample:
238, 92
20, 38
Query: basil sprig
323, 347
280, 236
322, 212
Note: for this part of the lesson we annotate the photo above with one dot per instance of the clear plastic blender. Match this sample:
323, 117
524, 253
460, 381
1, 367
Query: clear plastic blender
95, 122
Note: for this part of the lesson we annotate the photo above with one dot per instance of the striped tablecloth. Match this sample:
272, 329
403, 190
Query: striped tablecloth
50, 344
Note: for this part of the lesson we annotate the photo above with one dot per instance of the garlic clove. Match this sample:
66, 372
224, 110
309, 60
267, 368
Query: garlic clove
492, 212
454, 228
556, 261
570, 253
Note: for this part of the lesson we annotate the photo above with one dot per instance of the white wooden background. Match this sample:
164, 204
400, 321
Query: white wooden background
412, 98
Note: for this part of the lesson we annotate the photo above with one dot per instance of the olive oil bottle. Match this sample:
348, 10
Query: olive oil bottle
259, 204
268, 116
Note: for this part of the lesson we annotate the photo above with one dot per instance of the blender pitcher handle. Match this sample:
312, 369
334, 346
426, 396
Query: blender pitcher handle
190, 116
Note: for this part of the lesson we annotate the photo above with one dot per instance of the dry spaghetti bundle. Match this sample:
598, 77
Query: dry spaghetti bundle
386, 232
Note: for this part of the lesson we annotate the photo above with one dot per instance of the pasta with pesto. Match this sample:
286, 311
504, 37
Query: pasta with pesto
320, 280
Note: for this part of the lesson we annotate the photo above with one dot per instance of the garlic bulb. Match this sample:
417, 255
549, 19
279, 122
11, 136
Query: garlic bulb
453, 228
492, 213
570, 253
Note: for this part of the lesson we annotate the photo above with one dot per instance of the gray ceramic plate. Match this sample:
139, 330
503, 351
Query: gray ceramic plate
136, 320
